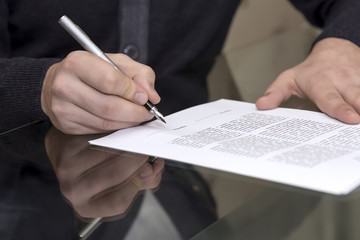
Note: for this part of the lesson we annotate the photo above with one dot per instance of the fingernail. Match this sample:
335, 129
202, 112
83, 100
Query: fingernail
149, 116
349, 112
352, 117
352, 113
146, 171
140, 98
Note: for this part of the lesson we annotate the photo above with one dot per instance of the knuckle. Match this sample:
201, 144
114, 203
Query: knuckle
57, 109
148, 72
61, 119
322, 75
106, 125
63, 173
69, 130
109, 109
84, 211
70, 192
71, 60
59, 89
66, 128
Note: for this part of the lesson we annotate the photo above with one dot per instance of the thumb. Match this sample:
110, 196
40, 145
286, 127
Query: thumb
279, 91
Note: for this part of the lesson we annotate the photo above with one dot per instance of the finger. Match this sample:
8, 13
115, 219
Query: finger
63, 119
108, 107
102, 76
159, 166
101, 179
153, 168
279, 91
110, 173
149, 175
150, 182
140, 73
332, 103
76, 185
116, 201
69, 168
75, 120
351, 95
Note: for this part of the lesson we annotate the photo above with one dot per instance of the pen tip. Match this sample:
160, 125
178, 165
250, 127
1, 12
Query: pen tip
156, 113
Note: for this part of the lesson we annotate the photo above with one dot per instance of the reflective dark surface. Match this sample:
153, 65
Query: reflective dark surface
53, 186
57, 186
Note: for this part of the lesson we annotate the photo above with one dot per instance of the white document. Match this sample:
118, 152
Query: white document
295, 147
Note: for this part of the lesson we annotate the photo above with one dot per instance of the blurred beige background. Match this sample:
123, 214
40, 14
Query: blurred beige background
265, 38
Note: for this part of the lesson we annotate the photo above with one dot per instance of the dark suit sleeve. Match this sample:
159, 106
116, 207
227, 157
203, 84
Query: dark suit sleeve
20, 81
337, 18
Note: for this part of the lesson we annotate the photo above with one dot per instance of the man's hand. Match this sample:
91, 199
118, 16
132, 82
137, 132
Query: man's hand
84, 94
330, 77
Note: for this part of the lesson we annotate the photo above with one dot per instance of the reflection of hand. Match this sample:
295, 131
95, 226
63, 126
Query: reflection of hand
99, 183
84, 94
330, 77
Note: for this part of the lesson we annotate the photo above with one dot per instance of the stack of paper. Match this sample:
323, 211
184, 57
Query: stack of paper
296, 147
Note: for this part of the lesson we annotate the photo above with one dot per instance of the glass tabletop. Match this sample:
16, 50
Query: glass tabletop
57, 186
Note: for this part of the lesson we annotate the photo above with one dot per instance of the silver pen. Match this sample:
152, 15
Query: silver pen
80, 36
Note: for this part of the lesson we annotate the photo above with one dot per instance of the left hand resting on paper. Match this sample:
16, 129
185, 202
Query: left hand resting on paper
329, 76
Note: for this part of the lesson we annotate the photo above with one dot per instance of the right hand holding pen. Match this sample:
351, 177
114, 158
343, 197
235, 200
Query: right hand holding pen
84, 94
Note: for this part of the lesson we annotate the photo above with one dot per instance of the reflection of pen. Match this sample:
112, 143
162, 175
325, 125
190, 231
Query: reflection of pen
90, 227
90, 46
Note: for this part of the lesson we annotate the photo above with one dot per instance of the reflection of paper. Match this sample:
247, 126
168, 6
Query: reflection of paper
296, 147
